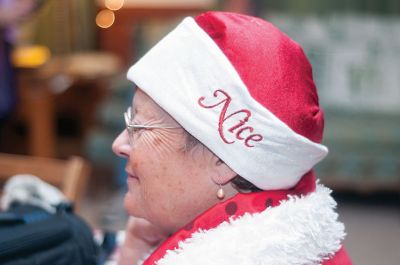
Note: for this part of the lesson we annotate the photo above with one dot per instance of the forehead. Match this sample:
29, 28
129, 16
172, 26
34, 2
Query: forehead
144, 106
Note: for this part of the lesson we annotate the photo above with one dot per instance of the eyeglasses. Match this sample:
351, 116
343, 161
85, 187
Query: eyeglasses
132, 128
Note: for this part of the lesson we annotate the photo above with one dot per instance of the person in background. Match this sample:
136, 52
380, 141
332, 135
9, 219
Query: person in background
222, 136
12, 12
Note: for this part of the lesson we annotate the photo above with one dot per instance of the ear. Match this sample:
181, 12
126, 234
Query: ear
223, 173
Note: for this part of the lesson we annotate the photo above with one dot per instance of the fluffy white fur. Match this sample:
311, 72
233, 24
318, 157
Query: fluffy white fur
301, 231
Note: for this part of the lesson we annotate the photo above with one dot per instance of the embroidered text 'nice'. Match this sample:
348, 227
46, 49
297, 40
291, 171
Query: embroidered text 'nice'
240, 130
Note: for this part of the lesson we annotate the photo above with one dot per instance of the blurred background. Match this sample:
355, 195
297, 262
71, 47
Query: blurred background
63, 91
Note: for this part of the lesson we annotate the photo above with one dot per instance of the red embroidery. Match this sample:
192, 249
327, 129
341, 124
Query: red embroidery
241, 130
237, 129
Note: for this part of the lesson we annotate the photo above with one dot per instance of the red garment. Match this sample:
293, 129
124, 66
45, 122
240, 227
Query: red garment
274, 68
236, 207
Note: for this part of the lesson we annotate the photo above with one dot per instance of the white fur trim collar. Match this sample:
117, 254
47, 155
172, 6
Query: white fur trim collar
301, 230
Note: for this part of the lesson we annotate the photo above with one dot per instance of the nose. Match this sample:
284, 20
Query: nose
121, 146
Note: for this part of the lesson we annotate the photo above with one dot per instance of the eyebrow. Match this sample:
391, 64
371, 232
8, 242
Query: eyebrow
134, 110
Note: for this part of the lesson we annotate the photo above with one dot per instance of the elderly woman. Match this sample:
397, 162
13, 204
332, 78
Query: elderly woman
222, 135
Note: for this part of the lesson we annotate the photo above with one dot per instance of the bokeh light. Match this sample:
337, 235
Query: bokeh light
105, 18
114, 4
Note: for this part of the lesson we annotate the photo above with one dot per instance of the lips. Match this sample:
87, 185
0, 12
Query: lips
132, 176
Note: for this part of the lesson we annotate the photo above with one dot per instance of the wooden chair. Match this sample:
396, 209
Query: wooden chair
70, 176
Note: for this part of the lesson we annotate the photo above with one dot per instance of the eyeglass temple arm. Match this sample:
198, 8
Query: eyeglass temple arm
132, 126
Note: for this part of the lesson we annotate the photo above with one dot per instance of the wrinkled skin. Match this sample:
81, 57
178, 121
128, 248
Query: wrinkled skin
168, 185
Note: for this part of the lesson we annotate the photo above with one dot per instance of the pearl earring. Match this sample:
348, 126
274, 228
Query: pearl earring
220, 193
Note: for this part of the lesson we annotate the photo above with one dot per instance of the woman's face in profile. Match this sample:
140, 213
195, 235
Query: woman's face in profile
167, 185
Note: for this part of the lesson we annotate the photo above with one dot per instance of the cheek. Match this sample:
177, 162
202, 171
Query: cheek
170, 182
156, 175
155, 157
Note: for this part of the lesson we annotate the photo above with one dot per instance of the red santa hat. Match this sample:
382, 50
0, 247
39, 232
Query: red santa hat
242, 88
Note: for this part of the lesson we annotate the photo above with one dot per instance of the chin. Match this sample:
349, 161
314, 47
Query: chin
130, 205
